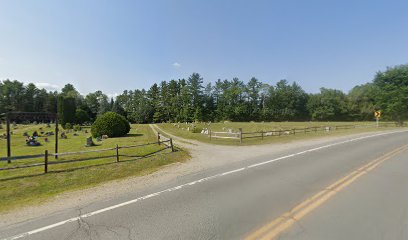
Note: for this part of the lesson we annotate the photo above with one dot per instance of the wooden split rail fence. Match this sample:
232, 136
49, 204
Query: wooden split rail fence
168, 143
240, 135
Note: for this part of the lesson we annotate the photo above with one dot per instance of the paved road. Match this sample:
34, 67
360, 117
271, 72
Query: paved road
236, 201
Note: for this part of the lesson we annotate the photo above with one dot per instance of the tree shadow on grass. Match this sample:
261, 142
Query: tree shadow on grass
134, 135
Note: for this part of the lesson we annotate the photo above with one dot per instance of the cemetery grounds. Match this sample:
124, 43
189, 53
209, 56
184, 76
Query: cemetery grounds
30, 186
201, 132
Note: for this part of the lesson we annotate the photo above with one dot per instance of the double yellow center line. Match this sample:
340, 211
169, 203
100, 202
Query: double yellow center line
286, 220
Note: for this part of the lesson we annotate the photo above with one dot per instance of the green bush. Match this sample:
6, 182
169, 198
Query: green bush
67, 126
197, 130
111, 124
77, 127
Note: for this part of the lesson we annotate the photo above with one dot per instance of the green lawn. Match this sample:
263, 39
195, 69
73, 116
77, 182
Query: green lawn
30, 185
180, 129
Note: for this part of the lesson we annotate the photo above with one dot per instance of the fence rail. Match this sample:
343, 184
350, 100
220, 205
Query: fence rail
168, 143
240, 135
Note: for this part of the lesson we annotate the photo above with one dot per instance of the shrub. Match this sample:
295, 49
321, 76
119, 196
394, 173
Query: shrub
197, 130
77, 127
111, 124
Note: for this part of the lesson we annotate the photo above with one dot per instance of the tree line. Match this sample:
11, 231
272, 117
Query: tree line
187, 100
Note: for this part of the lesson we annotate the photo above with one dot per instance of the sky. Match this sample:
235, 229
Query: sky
125, 45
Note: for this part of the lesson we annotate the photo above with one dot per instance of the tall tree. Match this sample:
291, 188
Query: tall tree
328, 105
195, 89
66, 110
393, 92
253, 89
362, 102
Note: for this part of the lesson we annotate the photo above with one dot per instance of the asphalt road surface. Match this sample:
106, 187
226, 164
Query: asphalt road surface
354, 189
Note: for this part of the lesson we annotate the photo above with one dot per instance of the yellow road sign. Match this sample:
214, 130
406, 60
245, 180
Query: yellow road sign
377, 114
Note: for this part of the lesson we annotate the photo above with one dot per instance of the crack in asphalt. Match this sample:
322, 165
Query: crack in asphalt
92, 231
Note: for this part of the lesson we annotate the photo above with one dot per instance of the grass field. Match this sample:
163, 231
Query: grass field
180, 129
30, 185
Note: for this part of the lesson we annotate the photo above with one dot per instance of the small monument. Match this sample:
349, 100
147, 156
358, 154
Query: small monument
49, 133
89, 142
32, 141
63, 135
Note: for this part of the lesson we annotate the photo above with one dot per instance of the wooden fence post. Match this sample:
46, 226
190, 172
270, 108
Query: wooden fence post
210, 133
46, 161
117, 153
262, 134
158, 138
171, 145
56, 137
240, 135
8, 139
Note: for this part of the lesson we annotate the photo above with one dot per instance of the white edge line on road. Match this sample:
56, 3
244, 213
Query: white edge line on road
188, 184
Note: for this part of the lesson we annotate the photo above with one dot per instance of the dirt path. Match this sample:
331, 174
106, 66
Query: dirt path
203, 156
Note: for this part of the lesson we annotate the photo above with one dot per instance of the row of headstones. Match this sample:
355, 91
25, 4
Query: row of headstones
90, 143
14, 123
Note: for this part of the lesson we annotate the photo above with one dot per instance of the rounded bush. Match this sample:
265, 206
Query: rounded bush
111, 124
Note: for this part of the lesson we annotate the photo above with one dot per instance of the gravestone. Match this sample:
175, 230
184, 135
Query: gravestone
63, 135
105, 137
89, 142
46, 139
49, 133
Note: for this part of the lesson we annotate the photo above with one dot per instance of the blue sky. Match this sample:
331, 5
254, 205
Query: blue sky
117, 45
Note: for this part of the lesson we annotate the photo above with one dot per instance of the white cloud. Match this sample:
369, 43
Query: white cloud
176, 65
112, 95
48, 86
